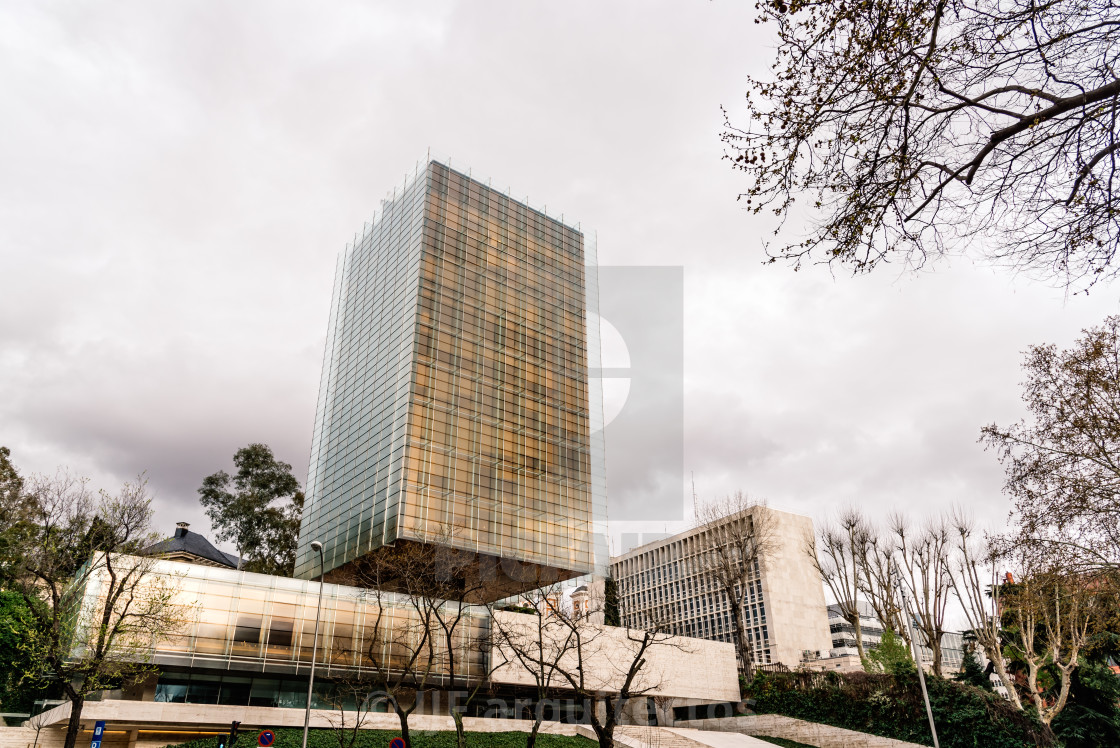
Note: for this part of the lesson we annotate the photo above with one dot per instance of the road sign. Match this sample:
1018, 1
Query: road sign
98, 731
397, 742
266, 738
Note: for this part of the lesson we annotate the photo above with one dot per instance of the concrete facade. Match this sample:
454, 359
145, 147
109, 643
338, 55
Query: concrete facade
675, 666
784, 606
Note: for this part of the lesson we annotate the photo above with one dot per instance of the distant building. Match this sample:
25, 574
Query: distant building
844, 633
844, 640
588, 601
784, 600
192, 548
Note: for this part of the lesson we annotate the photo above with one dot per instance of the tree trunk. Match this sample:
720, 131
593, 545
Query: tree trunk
996, 659
402, 715
531, 740
460, 734
935, 647
741, 643
604, 730
859, 637
74, 725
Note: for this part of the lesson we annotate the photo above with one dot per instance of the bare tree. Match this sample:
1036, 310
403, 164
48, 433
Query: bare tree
536, 643
354, 697
840, 560
1062, 467
97, 609
924, 563
911, 125
1050, 615
978, 590
737, 535
878, 583
456, 584
607, 667
445, 638
399, 649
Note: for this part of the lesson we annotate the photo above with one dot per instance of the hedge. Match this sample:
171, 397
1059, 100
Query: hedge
327, 738
891, 706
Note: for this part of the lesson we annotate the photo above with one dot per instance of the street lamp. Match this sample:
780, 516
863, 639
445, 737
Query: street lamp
916, 652
318, 547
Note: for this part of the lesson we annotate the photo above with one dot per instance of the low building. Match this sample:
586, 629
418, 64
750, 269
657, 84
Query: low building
783, 603
247, 640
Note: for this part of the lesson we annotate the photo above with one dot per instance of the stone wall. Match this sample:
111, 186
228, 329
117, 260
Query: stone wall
797, 730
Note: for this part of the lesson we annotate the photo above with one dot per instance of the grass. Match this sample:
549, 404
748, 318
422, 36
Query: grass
326, 738
782, 742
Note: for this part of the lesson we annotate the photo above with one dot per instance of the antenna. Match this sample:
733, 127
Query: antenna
695, 506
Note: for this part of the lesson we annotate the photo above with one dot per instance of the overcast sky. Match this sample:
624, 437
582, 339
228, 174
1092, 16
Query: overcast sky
177, 178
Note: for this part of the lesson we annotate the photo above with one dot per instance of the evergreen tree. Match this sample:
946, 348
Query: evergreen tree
611, 615
972, 672
258, 509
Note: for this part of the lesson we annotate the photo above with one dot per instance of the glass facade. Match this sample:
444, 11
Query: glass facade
454, 400
245, 623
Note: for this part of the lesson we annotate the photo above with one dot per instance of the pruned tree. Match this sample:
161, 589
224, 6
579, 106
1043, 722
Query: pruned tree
258, 509
839, 553
95, 608
1048, 614
1062, 464
878, 584
910, 126
925, 569
736, 536
977, 588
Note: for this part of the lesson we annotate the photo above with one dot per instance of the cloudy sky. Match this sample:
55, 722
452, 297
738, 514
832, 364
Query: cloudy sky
177, 178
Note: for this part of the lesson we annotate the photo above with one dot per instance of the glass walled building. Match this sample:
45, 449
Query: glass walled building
247, 638
454, 401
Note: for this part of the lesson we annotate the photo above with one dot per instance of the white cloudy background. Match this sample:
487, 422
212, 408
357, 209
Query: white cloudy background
176, 179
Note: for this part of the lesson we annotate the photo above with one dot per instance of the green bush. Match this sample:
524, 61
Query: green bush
892, 706
1091, 718
326, 738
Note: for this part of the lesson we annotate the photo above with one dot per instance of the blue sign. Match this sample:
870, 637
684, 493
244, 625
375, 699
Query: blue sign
397, 742
266, 738
98, 731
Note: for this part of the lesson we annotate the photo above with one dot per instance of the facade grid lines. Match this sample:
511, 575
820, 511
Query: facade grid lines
455, 389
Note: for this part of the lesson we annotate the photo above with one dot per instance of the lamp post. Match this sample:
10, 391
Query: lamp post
315, 546
916, 652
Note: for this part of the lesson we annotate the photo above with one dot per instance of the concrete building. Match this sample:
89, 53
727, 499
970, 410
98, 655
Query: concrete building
784, 600
454, 406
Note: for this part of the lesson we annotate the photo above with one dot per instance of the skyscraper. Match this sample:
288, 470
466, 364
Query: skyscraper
453, 406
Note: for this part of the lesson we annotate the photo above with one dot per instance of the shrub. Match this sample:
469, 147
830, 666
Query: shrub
891, 706
1091, 719
326, 738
